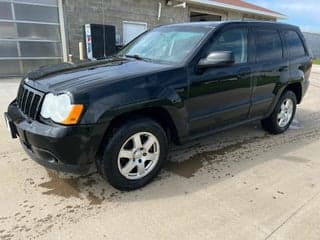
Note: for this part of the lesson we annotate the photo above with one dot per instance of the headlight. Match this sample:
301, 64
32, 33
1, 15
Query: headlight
59, 109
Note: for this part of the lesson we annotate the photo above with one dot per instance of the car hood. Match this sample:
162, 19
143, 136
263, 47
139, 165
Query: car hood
75, 77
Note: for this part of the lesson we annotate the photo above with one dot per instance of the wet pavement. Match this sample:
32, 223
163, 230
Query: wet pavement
238, 184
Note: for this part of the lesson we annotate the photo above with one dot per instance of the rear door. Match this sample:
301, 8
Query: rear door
269, 68
300, 61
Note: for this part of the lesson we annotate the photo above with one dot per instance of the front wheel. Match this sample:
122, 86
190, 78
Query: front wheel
283, 114
134, 154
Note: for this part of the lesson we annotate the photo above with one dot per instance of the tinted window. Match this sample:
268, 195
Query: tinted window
295, 44
234, 40
268, 45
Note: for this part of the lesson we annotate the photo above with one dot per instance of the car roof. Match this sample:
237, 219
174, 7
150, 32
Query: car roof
215, 24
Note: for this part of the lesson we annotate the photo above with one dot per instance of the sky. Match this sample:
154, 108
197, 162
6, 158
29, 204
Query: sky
303, 13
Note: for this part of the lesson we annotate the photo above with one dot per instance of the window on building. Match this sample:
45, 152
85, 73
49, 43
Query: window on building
235, 41
36, 13
294, 42
8, 49
29, 35
8, 30
5, 10
268, 45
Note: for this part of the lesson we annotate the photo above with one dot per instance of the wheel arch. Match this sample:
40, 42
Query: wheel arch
159, 114
296, 88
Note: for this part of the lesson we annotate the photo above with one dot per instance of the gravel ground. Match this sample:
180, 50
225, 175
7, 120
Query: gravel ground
238, 184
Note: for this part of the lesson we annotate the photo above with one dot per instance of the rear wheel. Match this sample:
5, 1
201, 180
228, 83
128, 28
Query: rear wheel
134, 154
283, 114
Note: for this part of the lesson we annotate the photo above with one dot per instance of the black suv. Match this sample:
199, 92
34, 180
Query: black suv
171, 84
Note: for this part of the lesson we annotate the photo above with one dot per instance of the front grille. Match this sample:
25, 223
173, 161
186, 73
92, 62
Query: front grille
28, 101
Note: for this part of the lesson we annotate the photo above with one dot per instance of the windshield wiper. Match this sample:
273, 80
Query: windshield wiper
138, 57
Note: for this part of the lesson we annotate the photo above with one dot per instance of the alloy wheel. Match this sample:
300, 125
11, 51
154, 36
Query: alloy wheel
138, 155
285, 113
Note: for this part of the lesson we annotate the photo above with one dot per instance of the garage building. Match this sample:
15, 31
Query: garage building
41, 32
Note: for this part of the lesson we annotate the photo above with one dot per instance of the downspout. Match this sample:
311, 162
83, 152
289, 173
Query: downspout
159, 10
62, 31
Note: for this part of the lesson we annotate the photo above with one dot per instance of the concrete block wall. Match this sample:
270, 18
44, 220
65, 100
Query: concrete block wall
114, 12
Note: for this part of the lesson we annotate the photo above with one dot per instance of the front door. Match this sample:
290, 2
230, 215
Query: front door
220, 96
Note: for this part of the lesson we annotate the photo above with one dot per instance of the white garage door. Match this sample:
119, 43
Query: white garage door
132, 30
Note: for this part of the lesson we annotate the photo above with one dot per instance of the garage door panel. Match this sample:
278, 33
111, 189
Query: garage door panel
30, 37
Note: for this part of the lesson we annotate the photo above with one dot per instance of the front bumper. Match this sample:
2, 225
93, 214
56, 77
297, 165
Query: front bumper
63, 148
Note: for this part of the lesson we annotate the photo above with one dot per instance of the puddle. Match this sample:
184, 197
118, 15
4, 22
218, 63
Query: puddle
189, 167
79, 187
66, 188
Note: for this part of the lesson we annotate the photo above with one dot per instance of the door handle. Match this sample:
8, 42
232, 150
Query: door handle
283, 68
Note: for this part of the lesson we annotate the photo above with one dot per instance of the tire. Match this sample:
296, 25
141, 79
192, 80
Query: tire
124, 151
273, 123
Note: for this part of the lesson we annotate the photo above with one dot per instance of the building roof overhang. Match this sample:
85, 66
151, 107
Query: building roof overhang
244, 9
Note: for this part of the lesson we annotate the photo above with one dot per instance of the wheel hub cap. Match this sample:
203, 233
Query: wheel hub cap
138, 155
285, 113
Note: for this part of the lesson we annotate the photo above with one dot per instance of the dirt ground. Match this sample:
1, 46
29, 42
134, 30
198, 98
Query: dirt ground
238, 184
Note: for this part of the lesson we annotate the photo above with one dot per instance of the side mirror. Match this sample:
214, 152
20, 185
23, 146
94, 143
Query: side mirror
217, 59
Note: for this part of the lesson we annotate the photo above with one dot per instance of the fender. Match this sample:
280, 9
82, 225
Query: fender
175, 111
281, 88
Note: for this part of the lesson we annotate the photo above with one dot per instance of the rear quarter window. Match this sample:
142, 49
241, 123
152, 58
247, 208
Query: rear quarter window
268, 45
295, 44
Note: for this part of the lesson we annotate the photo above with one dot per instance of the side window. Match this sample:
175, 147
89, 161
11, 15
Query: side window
234, 40
268, 45
295, 45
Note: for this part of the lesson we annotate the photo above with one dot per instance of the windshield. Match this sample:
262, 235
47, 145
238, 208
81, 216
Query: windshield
168, 44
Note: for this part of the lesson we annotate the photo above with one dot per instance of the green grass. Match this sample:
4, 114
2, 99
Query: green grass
316, 61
